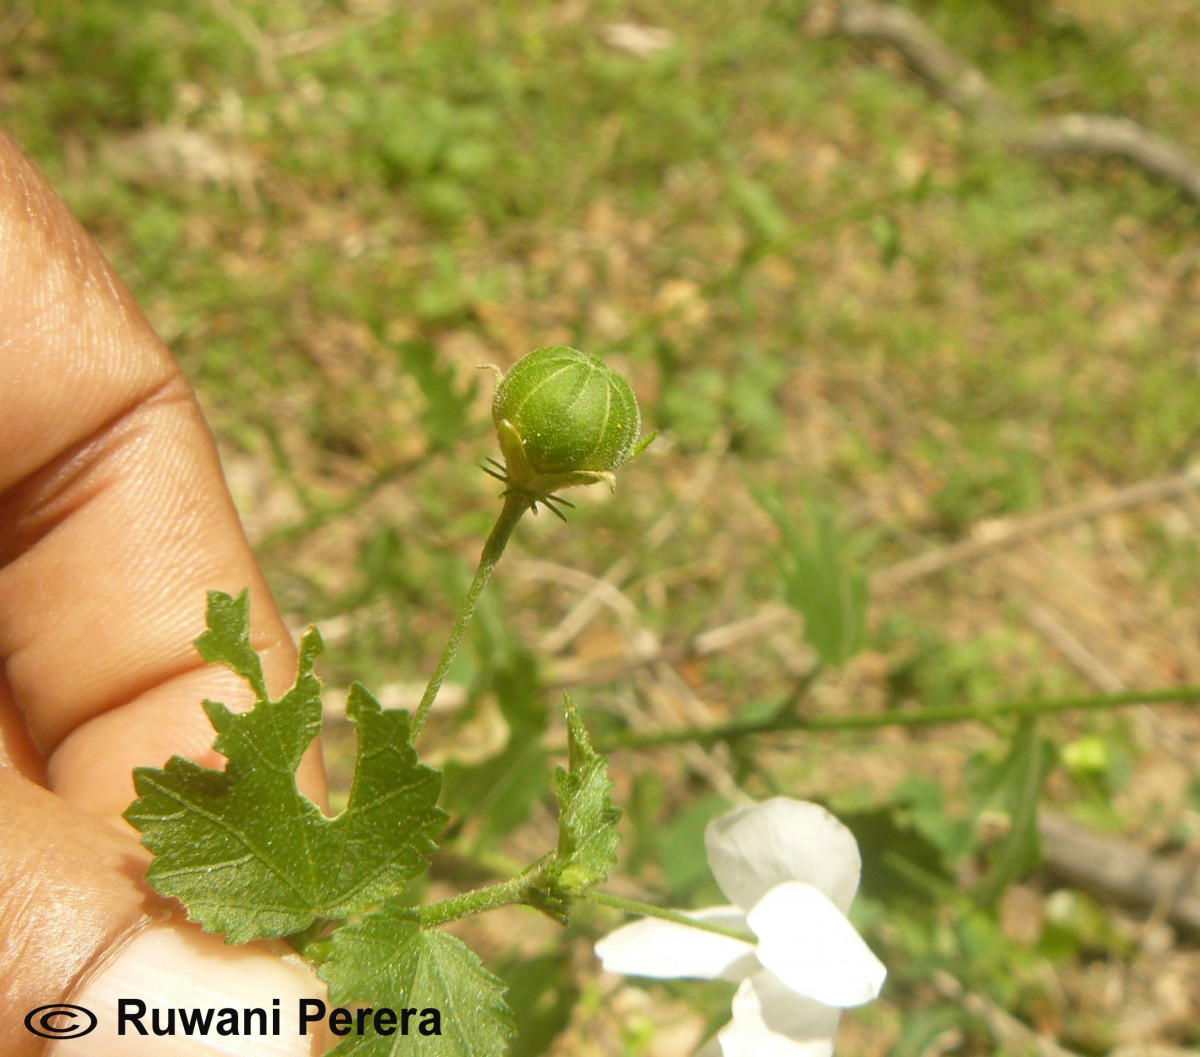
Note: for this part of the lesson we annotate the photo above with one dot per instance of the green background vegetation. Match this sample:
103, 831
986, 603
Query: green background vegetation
831, 293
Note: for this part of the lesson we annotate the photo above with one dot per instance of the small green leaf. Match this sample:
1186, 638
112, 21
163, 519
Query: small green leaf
681, 853
822, 581
886, 232
900, 864
753, 400
923, 1028
446, 415
759, 209
245, 851
1011, 788
387, 959
587, 821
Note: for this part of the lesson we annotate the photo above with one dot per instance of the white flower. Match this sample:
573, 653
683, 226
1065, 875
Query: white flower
791, 869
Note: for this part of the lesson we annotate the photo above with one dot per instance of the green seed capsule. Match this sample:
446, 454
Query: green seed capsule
563, 419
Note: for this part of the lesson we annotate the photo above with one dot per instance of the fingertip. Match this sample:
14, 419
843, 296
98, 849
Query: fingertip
168, 971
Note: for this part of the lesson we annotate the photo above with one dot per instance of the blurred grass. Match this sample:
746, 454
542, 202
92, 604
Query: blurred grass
814, 274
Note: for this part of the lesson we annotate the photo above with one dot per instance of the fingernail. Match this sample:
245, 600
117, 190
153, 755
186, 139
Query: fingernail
169, 976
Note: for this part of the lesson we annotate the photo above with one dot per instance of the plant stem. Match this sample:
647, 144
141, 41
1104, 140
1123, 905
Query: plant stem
632, 906
925, 717
514, 892
510, 514
501, 894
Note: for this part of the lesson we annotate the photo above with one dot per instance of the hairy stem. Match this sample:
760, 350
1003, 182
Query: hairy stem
510, 514
925, 717
490, 897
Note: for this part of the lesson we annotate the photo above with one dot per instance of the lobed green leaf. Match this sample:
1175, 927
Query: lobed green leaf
243, 849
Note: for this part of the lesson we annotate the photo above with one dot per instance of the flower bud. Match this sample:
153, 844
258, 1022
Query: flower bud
563, 419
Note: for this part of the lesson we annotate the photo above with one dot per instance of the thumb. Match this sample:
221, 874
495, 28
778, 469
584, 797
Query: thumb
77, 926
114, 518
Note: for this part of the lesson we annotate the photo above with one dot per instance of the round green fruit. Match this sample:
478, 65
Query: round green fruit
563, 419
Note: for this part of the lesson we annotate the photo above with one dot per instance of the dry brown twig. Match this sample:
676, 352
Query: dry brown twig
1115, 137
987, 540
924, 52
668, 696
269, 50
1121, 871
580, 614
965, 88
1013, 1035
997, 536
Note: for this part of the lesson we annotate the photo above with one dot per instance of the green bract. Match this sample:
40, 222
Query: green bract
563, 419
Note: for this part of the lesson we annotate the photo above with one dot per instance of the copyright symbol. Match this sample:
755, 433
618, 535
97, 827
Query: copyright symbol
60, 1021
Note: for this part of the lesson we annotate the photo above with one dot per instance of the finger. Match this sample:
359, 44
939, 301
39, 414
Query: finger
51, 926
114, 518
76, 925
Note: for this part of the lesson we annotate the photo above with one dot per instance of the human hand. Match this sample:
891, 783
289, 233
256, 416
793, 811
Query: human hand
114, 521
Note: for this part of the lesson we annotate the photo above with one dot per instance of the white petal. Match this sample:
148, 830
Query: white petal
771, 1021
755, 848
665, 950
806, 941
